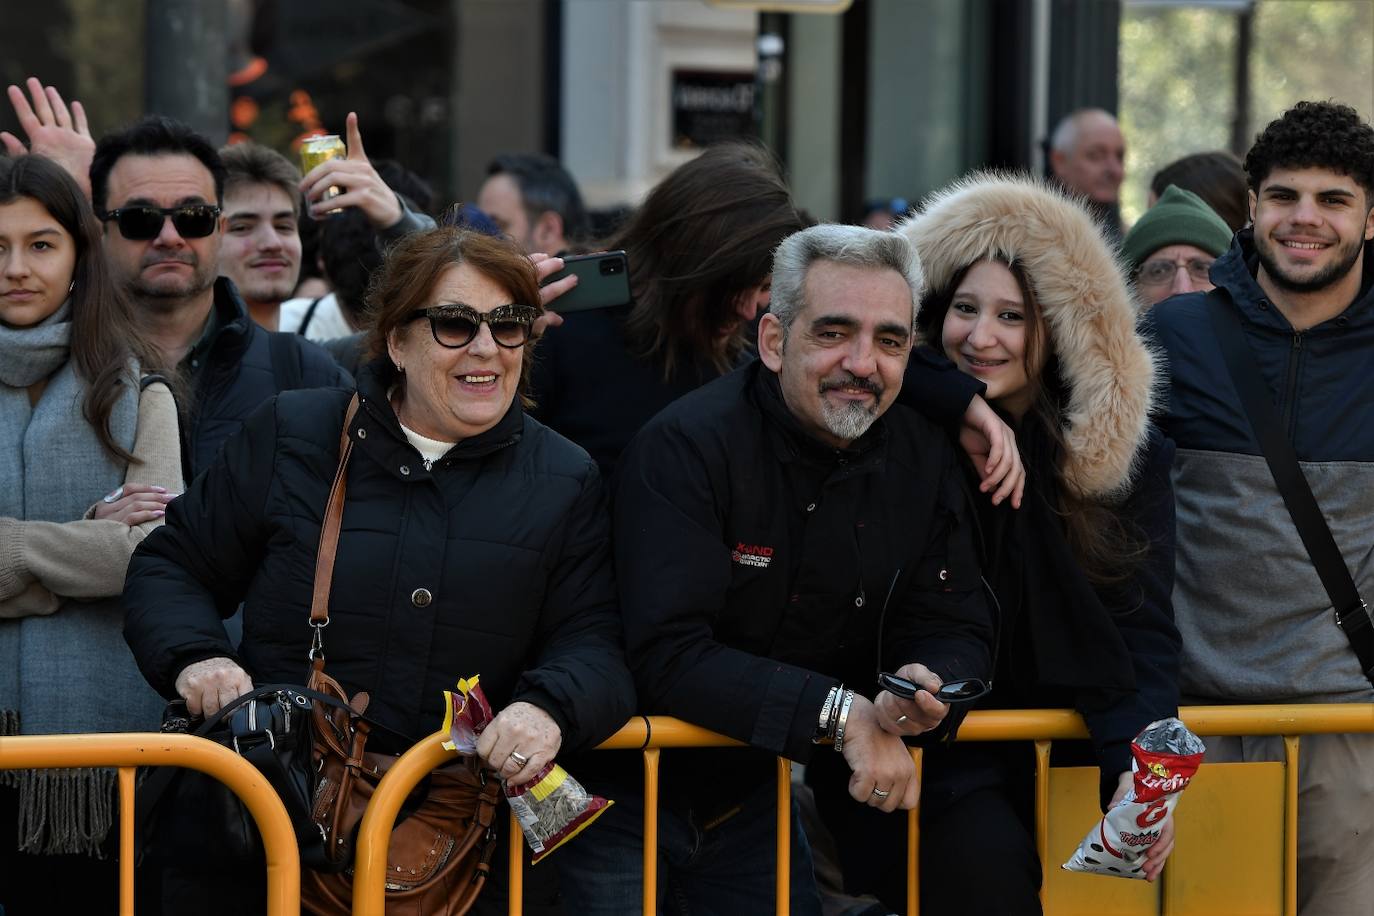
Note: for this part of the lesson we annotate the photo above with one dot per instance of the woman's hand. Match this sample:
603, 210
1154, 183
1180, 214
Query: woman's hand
991, 446
1159, 852
520, 732
134, 503
208, 686
546, 266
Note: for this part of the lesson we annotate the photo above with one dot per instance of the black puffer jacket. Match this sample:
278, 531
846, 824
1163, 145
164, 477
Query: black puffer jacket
244, 368
497, 561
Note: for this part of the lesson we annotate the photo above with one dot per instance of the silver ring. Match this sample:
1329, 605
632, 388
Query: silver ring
115, 496
901, 720
879, 793
519, 758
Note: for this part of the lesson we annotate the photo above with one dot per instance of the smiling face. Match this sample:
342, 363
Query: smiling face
168, 270
37, 259
841, 361
1310, 226
985, 334
452, 394
262, 245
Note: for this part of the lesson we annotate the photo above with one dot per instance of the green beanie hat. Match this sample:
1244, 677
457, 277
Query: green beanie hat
1179, 218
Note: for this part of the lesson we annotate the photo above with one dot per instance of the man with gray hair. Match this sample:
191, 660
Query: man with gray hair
782, 534
1088, 157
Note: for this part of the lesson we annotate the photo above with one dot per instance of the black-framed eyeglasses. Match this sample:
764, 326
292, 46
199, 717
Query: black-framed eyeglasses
455, 326
964, 691
1160, 272
140, 224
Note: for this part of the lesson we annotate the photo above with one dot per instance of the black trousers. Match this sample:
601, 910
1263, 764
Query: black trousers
977, 843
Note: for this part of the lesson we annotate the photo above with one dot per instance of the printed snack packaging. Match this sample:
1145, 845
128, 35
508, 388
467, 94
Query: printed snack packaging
1164, 758
553, 807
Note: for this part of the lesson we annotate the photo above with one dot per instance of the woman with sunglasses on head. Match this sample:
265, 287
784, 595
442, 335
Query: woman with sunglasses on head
90, 459
1025, 295
473, 539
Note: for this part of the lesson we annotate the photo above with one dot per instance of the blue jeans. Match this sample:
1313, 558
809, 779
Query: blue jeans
722, 868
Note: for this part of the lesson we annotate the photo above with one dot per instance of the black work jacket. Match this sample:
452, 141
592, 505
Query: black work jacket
243, 368
756, 567
494, 562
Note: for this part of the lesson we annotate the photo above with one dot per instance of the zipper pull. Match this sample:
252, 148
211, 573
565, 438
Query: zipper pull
428, 463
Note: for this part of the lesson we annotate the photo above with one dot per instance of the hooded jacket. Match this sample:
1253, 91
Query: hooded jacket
1110, 652
1258, 626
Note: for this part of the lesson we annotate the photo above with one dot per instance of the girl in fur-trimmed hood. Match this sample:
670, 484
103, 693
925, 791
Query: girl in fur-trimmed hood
1026, 295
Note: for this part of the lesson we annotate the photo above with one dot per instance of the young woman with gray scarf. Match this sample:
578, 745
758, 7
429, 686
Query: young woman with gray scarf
76, 428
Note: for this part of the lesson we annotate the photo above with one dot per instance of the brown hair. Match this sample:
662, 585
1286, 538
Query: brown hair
105, 338
702, 238
1107, 545
413, 267
252, 163
1217, 177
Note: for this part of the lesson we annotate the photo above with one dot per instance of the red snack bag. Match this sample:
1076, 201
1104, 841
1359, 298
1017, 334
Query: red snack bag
553, 807
466, 713
1164, 758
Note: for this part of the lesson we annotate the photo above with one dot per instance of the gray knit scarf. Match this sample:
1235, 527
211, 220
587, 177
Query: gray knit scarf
70, 671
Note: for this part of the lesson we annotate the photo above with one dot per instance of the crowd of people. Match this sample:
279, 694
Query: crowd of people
991, 441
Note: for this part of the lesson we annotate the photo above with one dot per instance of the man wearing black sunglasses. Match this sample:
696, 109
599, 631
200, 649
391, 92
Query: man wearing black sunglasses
159, 188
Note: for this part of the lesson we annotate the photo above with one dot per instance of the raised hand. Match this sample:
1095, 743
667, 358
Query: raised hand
362, 187
53, 131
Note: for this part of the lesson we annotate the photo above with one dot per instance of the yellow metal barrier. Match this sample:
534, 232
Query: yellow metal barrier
129, 751
652, 734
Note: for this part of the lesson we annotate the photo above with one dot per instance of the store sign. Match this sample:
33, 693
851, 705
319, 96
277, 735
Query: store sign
711, 105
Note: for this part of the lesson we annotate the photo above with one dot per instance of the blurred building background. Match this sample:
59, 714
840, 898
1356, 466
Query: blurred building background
860, 99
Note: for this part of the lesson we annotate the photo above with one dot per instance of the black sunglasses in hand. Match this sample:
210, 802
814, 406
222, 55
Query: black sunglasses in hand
142, 224
964, 691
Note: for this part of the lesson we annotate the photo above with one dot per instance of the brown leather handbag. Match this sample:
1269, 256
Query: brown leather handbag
441, 847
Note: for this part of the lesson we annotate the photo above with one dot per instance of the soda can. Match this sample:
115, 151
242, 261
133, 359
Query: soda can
315, 150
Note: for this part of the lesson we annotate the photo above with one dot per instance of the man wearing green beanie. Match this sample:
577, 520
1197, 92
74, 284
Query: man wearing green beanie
1171, 248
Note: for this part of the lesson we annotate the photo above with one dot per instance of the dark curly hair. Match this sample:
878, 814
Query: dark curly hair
1325, 135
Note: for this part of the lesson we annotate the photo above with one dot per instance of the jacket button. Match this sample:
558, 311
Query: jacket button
811, 507
421, 597
405, 470
1264, 305
362, 433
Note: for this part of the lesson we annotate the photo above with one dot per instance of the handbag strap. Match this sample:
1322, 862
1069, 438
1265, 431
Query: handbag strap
1352, 614
329, 537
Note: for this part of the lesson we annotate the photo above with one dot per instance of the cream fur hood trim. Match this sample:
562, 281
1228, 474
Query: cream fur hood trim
1082, 291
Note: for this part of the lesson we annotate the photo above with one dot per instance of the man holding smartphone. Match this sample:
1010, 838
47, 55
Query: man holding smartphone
782, 536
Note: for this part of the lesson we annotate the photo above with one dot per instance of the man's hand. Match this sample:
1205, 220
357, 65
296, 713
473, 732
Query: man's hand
546, 266
879, 761
207, 686
362, 187
520, 740
899, 716
53, 131
1156, 855
991, 446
